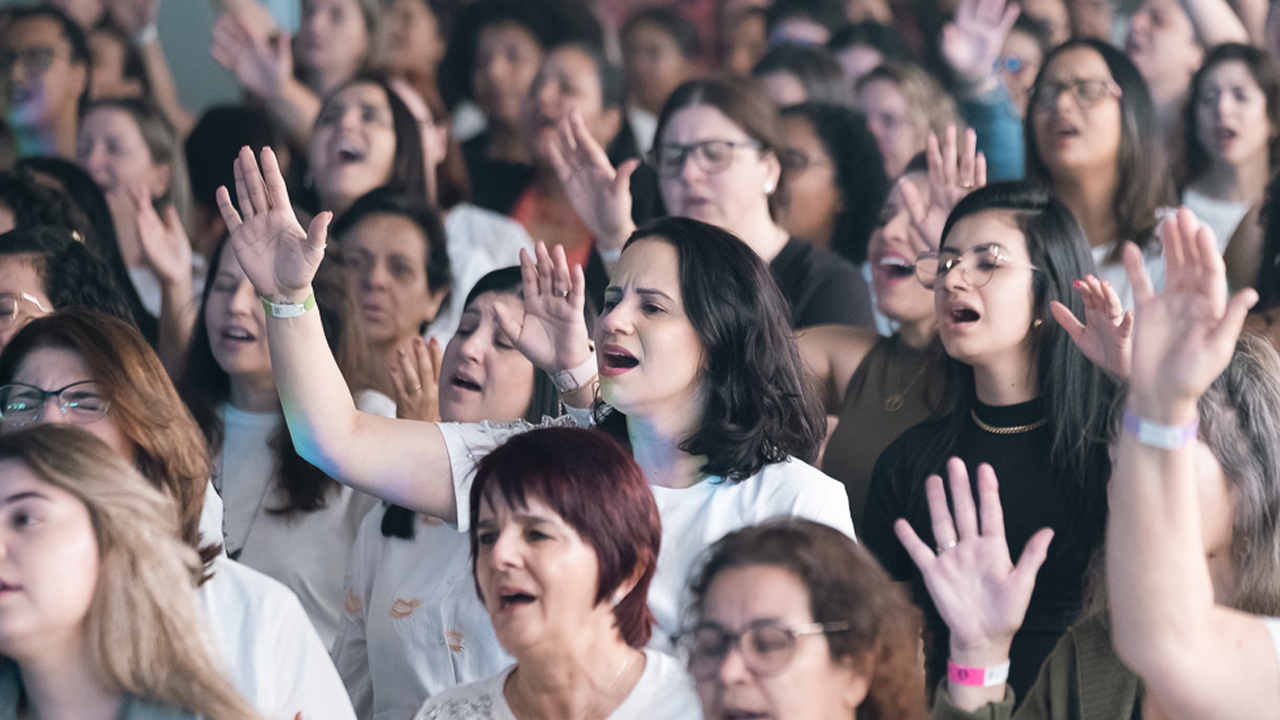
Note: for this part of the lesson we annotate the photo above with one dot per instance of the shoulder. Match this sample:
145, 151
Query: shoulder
470, 225
794, 487
665, 690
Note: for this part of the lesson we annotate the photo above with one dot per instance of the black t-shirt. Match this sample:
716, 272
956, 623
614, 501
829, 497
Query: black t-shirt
822, 287
495, 184
1033, 497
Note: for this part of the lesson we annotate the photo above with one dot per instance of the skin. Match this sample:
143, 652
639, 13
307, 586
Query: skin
412, 43
1096, 142
106, 74
747, 43
354, 145
507, 59
1232, 116
112, 150
895, 244
654, 65
784, 88
811, 199
53, 368
1052, 14
890, 121
481, 353
812, 685
18, 275
569, 80
42, 99
238, 337
386, 262
333, 39
1161, 42
858, 60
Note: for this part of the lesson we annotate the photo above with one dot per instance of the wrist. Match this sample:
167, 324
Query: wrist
968, 88
579, 375
147, 35
977, 676
288, 297
980, 654
1163, 410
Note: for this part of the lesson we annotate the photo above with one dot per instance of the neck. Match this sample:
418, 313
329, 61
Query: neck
1235, 183
254, 393
1006, 381
657, 451
918, 334
56, 138
508, 144
1090, 196
575, 680
60, 682
758, 230
323, 81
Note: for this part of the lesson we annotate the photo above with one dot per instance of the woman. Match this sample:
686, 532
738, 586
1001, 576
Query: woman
408, 579
414, 38
335, 40
114, 386
283, 517
1026, 401
903, 104
397, 272
1091, 133
106, 629
794, 74
695, 359
717, 160
833, 187
820, 629
661, 50
1232, 136
565, 584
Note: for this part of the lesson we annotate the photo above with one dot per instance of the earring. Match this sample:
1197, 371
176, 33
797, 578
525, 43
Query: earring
617, 599
1036, 325
768, 187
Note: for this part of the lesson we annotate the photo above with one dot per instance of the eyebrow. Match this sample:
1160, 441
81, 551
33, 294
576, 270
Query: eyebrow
24, 495
640, 291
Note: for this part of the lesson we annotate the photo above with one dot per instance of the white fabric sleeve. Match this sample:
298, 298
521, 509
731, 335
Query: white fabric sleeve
306, 680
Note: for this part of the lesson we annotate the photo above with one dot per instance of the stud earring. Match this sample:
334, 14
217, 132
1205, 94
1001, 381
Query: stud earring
1036, 325
768, 187
617, 599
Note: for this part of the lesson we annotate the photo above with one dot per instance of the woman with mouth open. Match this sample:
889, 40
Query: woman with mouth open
1022, 397
697, 370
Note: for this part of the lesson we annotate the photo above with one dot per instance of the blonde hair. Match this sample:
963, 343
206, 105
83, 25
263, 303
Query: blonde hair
145, 632
929, 105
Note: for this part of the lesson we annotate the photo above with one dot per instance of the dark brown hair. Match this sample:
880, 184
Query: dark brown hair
1262, 68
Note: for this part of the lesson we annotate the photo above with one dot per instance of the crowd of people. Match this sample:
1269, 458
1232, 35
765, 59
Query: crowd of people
630, 359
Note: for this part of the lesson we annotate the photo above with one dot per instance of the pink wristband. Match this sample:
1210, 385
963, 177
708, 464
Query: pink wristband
978, 676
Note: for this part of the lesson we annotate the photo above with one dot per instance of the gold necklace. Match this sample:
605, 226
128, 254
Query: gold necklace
894, 402
1013, 430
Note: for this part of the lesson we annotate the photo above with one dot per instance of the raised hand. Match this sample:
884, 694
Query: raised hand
553, 333
133, 16
1184, 336
599, 194
1106, 335
953, 173
279, 257
415, 380
977, 589
972, 41
261, 63
165, 245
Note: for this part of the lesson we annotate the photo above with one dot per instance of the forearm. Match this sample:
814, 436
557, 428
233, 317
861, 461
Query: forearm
295, 109
1215, 22
163, 88
177, 320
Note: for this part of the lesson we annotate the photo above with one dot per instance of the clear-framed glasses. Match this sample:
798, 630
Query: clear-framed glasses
977, 265
17, 306
711, 156
80, 402
37, 60
795, 161
1087, 94
767, 646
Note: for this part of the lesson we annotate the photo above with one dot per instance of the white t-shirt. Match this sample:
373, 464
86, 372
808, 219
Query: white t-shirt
692, 518
270, 650
412, 625
1114, 272
306, 551
479, 241
664, 691
1222, 216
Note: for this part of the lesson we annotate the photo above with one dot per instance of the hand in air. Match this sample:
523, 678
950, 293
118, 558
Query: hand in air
262, 62
599, 194
415, 380
953, 173
553, 333
165, 245
1106, 335
279, 257
975, 586
1183, 337
971, 43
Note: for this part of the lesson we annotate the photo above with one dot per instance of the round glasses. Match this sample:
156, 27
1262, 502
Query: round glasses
976, 265
1087, 94
767, 646
37, 60
711, 156
15, 306
80, 402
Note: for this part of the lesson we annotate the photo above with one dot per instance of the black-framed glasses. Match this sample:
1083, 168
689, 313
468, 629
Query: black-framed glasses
37, 60
17, 305
767, 646
80, 402
711, 156
795, 161
977, 265
1087, 93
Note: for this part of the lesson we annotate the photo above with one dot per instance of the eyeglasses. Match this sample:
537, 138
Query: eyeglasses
977, 265
1087, 94
767, 646
11, 307
80, 402
37, 60
1009, 63
711, 156
794, 161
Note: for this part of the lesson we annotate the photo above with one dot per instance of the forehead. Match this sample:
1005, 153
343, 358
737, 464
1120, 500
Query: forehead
882, 93
361, 94
574, 63
739, 595
699, 121
1233, 72
113, 119
801, 132
495, 506
51, 368
16, 477
387, 233
1078, 62
507, 33
227, 262
18, 274
35, 32
986, 228
485, 301
651, 263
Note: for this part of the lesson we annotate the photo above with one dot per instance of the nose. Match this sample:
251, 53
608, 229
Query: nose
50, 414
958, 277
245, 300
474, 345
733, 668
617, 321
375, 275
505, 552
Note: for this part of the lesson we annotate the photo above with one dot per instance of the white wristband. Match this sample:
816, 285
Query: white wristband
569, 380
609, 256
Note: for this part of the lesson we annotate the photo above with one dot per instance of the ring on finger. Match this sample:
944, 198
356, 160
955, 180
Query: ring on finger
943, 547
966, 184
415, 389
560, 293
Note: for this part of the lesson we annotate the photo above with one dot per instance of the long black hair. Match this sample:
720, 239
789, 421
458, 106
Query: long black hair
759, 407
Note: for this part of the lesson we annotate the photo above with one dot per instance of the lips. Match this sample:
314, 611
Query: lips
961, 314
892, 268
9, 587
735, 714
345, 151
236, 336
615, 360
510, 598
464, 382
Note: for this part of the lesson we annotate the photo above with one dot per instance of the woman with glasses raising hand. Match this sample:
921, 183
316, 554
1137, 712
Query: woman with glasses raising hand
1023, 399
716, 154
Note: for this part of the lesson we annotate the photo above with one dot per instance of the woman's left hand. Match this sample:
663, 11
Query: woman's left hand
979, 592
953, 173
553, 334
415, 380
165, 245
1106, 335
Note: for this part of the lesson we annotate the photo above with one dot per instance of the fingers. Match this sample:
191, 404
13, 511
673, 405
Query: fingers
933, 153
966, 516
244, 161
1010, 16
980, 170
229, 214
1033, 555
911, 198
989, 500
1067, 320
950, 169
1139, 280
277, 192
318, 232
622, 179
529, 278
556, 148
968, 159
545, 268
1224, 336
509, 324
922, 555
430, 357
589, 151
944, 531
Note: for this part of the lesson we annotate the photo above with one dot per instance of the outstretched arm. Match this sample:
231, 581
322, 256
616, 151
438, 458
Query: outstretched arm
1197, 659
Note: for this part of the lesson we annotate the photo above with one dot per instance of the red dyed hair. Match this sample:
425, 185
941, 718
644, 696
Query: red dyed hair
595, 486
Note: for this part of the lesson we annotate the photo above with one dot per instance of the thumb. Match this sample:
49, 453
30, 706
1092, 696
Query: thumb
507, 322
436, 354
1232, 323
622, 181
172, 220
1033, 556
318, 232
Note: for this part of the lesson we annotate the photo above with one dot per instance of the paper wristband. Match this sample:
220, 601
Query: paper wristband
978, 676
570, 380
288, 310
1156, 435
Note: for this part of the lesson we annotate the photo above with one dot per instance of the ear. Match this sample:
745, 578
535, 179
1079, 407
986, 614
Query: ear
434, 300
610, 125
437, 141
161, 175
855, 684
773, 168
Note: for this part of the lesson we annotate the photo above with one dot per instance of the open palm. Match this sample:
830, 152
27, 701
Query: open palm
553, 334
